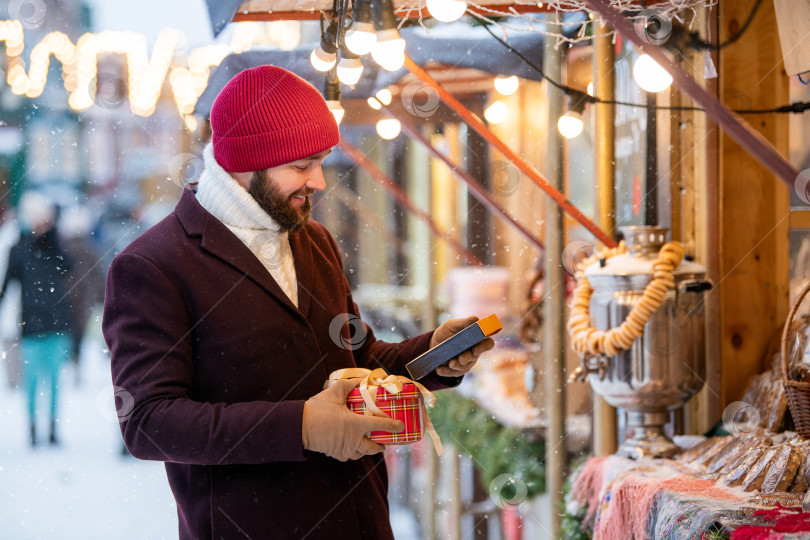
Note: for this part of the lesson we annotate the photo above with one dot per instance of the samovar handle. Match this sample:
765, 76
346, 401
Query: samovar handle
588, 367
695, 285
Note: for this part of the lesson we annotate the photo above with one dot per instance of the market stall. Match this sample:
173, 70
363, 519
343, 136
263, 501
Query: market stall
658, 321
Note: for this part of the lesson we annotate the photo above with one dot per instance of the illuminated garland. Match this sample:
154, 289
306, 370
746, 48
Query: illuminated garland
586, 339
188, 79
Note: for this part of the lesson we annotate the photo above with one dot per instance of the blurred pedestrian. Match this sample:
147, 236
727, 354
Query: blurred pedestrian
39, 265
85, 281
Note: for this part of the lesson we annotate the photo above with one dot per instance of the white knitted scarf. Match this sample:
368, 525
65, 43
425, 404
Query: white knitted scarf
225, 199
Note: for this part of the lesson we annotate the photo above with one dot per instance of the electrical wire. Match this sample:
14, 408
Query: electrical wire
579, 95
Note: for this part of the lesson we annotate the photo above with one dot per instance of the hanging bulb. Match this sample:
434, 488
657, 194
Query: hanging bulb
337, 110
506, 86
388, 128
360, 38
331, 93
322, 60
649, 74
374, 104
349, 68
384, 96
570, 124
496, 113
389, 51
446, 10
325, 55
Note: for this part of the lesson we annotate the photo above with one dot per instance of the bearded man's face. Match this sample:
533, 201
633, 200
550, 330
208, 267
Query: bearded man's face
283, 191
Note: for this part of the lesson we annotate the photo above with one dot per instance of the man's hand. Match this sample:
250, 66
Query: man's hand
331, 428
462, 363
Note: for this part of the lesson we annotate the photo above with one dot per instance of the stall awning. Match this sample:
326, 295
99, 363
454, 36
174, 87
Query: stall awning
458, 46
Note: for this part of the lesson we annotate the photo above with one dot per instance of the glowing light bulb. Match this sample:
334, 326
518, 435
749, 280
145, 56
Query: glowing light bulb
337, 110
384, 96
496, 113
589, 89
649, 74
389, 51
446, 10
360, 38
506, 86
322, 60
349, 70
374, 104
388, 128
570, 124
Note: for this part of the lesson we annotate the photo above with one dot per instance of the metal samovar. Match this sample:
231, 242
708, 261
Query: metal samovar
666, 366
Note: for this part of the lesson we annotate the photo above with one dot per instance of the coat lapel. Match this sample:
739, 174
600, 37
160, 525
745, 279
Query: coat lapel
302, 257
218, 240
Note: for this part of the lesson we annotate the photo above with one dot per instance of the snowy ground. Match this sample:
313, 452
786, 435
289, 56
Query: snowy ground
85, 489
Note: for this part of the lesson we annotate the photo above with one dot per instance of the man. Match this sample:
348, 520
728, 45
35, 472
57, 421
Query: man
224, 321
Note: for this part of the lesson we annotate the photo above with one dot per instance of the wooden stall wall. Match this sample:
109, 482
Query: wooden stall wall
751, 274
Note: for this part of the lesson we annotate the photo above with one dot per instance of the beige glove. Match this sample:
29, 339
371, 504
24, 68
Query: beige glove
462, 363
331, 428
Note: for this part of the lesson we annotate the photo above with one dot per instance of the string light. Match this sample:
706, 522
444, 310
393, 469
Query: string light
324, 56
446, 10
649, 74
349, 69
496, 113
13, 34
360, 38
389, 51
374, 104
388, 128
506, 86
331, 93
145, 74
570, 124
384, 96
191, 122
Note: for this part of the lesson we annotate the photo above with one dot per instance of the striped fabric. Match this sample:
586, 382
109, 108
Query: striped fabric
405, 406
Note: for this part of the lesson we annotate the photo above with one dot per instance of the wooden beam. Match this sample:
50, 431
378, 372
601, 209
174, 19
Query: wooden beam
800, 219
253, 10
310, 14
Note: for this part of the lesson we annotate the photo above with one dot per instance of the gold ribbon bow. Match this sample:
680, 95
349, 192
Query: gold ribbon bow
373, 380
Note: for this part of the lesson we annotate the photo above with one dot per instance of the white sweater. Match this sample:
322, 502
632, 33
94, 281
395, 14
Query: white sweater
224, 198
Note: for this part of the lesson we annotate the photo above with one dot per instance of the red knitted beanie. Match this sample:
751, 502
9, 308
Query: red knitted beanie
267, 116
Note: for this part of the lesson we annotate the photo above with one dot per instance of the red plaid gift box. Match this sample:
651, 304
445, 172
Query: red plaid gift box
381, 394
405, 406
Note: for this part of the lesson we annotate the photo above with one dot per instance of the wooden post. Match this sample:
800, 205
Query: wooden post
604, 416
554, 287
753, 206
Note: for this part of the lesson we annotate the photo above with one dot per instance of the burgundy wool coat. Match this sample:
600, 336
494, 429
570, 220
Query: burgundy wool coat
212, 364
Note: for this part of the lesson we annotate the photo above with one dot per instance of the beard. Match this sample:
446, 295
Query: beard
278, 206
